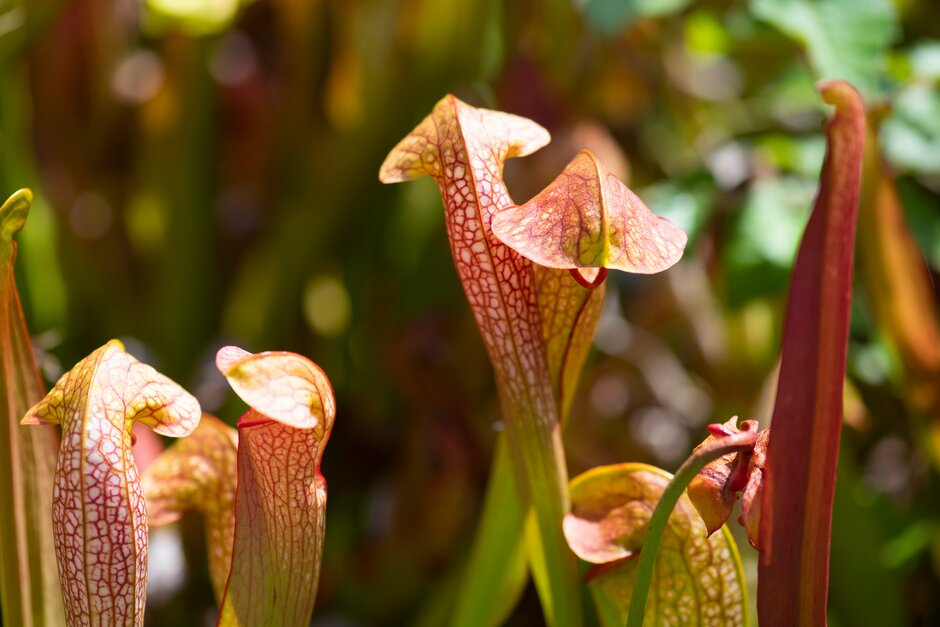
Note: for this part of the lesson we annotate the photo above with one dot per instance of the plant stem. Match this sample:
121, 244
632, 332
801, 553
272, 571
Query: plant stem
733, 443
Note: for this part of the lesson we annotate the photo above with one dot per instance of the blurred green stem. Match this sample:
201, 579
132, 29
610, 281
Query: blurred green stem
737, 442
495, 575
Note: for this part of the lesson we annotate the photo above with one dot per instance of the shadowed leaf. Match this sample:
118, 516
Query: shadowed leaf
281, 495
198, 473
569, 317
430, 148
98, 506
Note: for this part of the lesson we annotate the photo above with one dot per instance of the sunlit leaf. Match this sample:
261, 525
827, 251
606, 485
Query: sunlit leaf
198, 473
730, 441
799, 476
698, 579
463, 149
281, 495
98, 506
434, 148
29, 583
587, 218
284, 386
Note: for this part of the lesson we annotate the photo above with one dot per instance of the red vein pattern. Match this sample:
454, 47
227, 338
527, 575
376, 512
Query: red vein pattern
199, 473
800, 471
29, 582
569, 317
463, 149
698, 578
280, 510
587, 218
284, 386
99, 514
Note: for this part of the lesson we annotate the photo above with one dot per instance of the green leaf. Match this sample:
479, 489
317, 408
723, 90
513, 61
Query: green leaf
868, 587
495, 575
911, 133
688, 203
197, 17
924, 57
845, 39
198, 473
920, 210
765, 237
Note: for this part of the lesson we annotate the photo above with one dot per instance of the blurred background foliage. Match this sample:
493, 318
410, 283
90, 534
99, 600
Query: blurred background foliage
206, 173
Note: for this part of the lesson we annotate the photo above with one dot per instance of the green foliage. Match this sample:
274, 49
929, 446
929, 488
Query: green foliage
845, 39
912, 133
763, 244
689, 203
611, 16
226, 166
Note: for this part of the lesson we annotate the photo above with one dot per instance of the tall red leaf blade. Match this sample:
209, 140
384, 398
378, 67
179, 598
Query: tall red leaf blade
29, 582
99, 514
198, 473
804, 441
280, 510
463, 149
